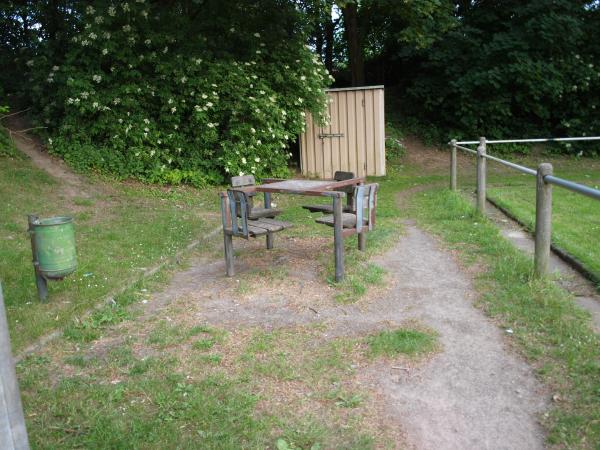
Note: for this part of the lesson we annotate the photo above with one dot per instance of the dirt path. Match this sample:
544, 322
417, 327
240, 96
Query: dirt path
475, 394
72, 184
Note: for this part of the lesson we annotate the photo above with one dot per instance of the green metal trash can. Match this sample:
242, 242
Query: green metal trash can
54, 240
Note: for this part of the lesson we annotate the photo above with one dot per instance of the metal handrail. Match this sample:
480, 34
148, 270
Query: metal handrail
521, 141
543, 212
575, 187
523, 169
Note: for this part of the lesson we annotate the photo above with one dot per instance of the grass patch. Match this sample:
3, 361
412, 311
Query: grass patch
553, 333
404, 341
120, 231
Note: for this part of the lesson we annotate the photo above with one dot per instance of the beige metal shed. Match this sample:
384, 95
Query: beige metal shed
355, 139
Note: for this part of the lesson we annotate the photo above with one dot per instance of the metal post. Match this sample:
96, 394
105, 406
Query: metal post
40, 282
13, 434
481, 175
269, 234
338, 238
543, 220
453, 166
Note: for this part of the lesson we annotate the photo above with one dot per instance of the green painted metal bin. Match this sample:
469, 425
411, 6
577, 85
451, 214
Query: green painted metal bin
55, 247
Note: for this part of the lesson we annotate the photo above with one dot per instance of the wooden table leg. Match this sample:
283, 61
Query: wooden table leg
269, 234
228, 241
338, 239
362, 241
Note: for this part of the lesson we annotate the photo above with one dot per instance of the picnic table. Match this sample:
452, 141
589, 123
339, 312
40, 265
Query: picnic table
323, 188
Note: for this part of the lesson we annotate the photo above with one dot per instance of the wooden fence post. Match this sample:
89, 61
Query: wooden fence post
543, 220
13, 434
453, 166
481, 175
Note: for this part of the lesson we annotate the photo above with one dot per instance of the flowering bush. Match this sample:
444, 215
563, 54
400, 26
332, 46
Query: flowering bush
146, 92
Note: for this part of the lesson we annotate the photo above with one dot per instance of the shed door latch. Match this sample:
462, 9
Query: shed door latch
330, 135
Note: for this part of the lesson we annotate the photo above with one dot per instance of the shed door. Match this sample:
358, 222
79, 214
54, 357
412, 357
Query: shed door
354, 139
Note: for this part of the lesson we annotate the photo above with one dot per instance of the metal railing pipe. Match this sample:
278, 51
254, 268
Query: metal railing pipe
523, 169
466, 149
575, 187
524, 141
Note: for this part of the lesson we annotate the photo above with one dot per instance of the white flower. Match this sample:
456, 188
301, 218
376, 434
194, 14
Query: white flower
95, 105
258, 52
145, 14
93, 36
54, 68
198, 108
97, 78
90, 10
232, 29
173, 109
257, 35
257, 159
209, 104
146, 121
85, 43
125, 6
198, 61
243, 160
257, 110
241, 174
227, 169
116, 101
49, 141
303, 78
258, 142
126, 28
166, 49
146, 129
104, 51
99, 19
30, 63
69, 101
120, 120
106, 35
183, 79
152, 152
262, 92
210, 125
252, 130
84, 95
170, 101
204, 96
147, 42
159, 141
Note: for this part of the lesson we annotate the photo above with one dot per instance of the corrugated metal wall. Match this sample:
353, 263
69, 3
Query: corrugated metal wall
355, 139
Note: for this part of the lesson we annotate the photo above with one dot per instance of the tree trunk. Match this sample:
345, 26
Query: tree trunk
329, 29
355, 55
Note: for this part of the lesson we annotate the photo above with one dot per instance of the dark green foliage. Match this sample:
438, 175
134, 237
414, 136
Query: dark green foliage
514, 68
188, 93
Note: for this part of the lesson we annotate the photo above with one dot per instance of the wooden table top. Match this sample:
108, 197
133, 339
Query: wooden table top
306, 187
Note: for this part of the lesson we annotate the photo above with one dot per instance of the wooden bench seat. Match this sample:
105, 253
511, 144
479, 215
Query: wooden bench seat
348, 220
236, 208
326, 209
362, 219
